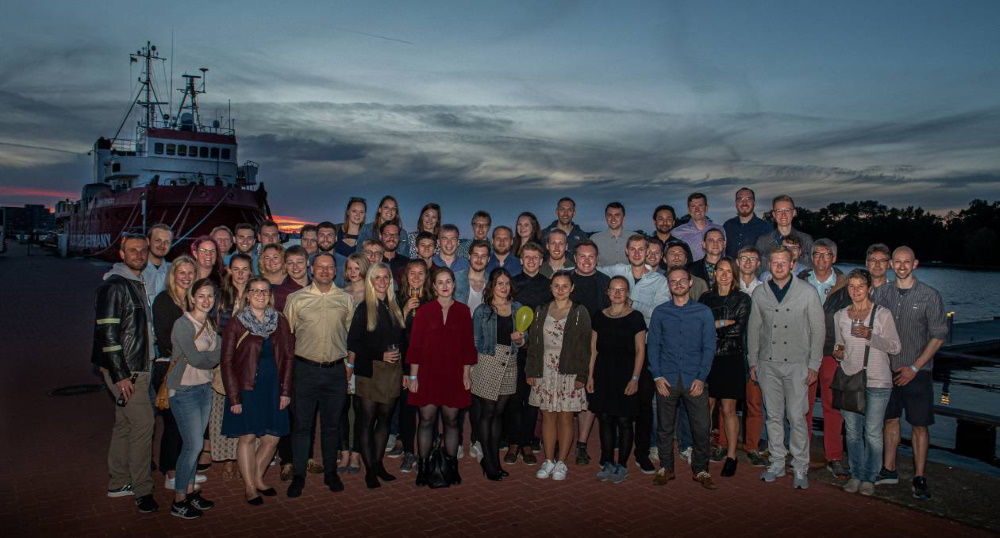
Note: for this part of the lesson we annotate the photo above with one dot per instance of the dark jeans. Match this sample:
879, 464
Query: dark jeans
644, 422
324, 389
520, 416
701, 425
407, 422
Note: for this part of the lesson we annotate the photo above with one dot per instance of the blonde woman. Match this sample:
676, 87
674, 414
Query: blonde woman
271, 263
375, 357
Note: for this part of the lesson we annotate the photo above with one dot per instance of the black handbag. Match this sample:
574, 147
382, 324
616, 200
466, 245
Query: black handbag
849, 390
436, 477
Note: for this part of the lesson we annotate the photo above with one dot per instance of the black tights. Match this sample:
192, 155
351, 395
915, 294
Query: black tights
374, 431
425, 432
490, 426
615, 428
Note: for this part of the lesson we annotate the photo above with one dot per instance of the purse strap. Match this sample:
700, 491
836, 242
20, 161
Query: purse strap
871, 327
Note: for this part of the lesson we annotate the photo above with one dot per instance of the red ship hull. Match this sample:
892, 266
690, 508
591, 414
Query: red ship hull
189, 210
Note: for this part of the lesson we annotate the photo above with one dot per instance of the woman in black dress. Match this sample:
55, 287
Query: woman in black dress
618, 351
727, 379
374, 355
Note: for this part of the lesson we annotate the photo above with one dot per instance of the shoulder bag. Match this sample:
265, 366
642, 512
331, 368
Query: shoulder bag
217, 384
849, 390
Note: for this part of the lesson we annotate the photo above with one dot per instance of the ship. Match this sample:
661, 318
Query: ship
167, 168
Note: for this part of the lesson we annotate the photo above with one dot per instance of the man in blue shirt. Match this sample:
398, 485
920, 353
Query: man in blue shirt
680, 348
746, 227
693, 231
503, 237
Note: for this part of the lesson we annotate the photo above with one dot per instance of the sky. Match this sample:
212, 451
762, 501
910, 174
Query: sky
508, 106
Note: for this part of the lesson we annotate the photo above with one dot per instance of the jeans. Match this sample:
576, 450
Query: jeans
191, 406
864, 435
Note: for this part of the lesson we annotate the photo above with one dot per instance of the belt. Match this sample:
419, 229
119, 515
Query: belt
316, 364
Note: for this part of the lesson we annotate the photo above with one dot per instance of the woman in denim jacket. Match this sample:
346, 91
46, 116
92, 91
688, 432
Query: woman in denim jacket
494, 378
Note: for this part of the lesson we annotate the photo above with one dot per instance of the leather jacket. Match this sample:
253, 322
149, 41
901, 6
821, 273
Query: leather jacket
729, 340
123, 335
239, 363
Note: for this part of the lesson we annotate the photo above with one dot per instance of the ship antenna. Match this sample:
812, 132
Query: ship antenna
170, 106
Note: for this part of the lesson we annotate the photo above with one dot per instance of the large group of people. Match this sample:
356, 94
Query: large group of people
396, 340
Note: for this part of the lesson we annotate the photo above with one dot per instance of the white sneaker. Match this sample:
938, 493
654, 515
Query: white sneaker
391, 443
461, 453
686, 455
198, 479
654, 453
476, 451
559, 473
546, 469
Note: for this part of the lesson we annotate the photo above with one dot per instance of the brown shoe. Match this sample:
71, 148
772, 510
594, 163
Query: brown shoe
705, 480
663, 476
314, 467
286, 472
511, 455
528, 456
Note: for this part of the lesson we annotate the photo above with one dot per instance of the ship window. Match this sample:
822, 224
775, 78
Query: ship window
215, 153
171, 148
225, 154
192, 151
203, 152
182, 150
158, 148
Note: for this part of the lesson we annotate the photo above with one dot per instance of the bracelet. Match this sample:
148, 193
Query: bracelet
413, 378
635, 378
349, 365
915, 369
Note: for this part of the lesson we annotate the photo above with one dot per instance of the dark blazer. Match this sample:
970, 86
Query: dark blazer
239, 364
369, 346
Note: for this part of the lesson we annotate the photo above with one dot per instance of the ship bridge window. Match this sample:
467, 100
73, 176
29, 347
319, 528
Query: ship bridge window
193, 151
171, 149
203, 152
182, 150
215, 153
158, 148
225, 154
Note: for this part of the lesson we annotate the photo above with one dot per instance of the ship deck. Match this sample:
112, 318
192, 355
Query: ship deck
56, 474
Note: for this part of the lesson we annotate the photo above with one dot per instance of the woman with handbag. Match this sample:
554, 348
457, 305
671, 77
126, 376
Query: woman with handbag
234, 287
441, 355
196, 349
374, 356
169, 306
258, 353
558, 367
494, 378
866, 336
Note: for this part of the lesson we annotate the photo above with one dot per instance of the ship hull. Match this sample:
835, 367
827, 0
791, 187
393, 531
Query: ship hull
190, 211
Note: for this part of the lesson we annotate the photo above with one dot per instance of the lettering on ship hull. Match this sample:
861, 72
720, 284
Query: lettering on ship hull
89, 241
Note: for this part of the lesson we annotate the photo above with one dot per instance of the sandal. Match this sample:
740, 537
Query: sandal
204, 466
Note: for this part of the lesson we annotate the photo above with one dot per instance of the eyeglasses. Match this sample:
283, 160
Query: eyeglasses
207, 250
824, 255
618, 291
748, 259
259, 292
877, 261
745, 199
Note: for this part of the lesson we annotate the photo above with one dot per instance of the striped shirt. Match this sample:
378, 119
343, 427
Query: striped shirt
919, 316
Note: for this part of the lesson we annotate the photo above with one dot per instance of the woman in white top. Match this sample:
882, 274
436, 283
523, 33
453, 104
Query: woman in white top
858, 328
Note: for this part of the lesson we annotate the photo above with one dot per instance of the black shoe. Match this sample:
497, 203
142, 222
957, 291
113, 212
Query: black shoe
146, 504
488, 473
383, 474
645, 465
256, 501
423, 464
295, 488
503, 473
269, 492
123, 491
185, 510
582, 458
451, 470
920, 489
332, 480
196, 500
729, 468
371, 480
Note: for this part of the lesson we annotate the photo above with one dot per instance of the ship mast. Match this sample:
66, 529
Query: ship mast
148, 54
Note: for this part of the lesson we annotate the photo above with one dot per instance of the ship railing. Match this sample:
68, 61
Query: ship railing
123, 145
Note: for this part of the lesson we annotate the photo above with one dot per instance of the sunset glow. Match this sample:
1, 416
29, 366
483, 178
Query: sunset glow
290, 224
28, 192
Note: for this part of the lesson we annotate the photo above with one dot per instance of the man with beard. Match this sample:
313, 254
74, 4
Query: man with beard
481, 222
714, 244
470, 283
611, 242
664, 218
155, 273
309, 239
746, 227
389, 233
556, 244
676, 254
502, 256
244, 240
565, 211
783, 212
877, 259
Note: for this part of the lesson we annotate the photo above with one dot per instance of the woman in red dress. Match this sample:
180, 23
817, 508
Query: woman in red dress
440, 355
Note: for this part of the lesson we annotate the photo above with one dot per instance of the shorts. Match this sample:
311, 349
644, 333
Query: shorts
916, 397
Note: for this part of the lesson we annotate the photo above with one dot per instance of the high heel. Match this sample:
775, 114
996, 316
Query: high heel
371, 480
269, 492
451, 470
383, 474
256, 501
423, 464
496, 477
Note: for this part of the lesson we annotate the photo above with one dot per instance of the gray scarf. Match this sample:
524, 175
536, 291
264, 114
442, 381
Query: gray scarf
257, 327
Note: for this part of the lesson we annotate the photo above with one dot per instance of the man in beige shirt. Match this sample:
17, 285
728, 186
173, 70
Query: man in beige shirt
319, 315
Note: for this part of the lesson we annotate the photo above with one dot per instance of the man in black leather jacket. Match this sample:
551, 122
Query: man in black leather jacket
123, 349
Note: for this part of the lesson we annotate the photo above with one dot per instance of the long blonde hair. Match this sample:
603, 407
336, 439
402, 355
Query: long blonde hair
180, 298
371, 299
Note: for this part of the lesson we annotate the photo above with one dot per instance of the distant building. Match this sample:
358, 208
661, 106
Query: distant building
25, 220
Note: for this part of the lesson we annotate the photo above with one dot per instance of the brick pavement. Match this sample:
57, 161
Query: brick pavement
55, 470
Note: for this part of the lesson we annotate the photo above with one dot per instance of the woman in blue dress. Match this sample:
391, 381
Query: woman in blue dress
257, 364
